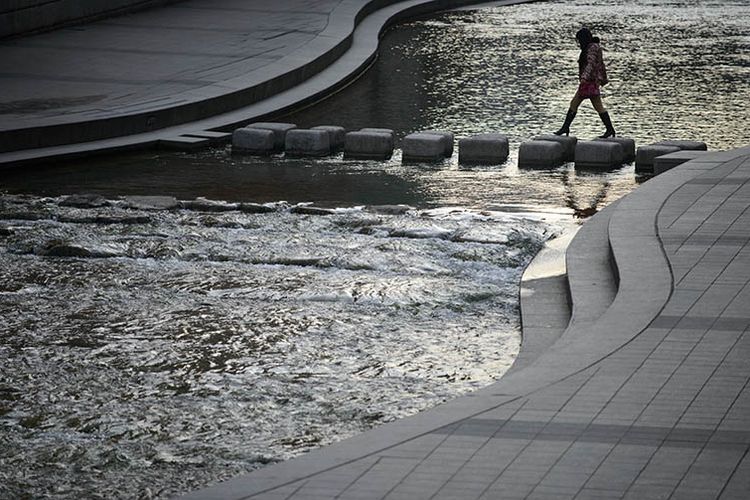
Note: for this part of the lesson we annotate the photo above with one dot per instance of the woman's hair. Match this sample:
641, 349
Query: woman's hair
585, 38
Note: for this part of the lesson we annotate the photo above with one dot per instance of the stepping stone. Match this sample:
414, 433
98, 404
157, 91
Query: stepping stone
84, 201
568, 144
310, 210
255, 208
448, 138
380, 130
300, 142
671, 160
205, 205
390, 209
184, 143
151, 202
423, 147
335, 136
689, 145
483, 149
544, 154
628, 146
598, 154
368, 145
253, 141
645, 155
279, 131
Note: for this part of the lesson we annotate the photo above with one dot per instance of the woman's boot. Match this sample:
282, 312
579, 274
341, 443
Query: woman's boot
566, 126
610, 132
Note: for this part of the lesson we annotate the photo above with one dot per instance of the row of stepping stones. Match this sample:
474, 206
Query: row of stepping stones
545, 151
553, 150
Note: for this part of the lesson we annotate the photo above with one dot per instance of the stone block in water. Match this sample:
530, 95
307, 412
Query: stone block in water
544, 154
151, 202
335, 136
423, 147
628, 146
448, 139
671, 160
599, 154
686, 145
380, 130
483, 149
253, 141
279, 131
301, 142
84, 201
205, 205
568, 143
645, 155
368, 145
310, 210
256, 208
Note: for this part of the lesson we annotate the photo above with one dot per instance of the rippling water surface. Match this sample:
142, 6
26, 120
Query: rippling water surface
147, 352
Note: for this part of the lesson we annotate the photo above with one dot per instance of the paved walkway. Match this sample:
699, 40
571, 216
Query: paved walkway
642, 395
144, 71
645, 394
192, 66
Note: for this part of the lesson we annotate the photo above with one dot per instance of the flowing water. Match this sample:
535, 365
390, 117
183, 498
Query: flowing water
150, 350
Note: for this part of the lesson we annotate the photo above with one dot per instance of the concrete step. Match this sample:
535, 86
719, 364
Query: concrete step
592, 278
568, 285
544, 301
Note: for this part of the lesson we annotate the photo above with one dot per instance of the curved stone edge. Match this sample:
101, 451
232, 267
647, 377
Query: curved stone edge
645, 286
645, 283
591, 278
544, 300
337, 56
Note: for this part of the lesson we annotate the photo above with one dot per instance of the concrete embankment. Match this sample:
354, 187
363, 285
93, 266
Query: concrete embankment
644, 393
165, 72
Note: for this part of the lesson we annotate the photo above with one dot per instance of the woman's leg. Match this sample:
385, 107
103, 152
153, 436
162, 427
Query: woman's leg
598, 104
574, 103
599, 107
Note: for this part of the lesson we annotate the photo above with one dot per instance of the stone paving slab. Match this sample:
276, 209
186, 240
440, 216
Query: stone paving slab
664, 412
130, 81
154, 60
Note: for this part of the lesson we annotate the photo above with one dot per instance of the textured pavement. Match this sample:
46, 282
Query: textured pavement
644, 396
149, 59
160, 77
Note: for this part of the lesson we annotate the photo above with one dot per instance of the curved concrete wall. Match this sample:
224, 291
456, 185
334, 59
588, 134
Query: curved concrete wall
18, 17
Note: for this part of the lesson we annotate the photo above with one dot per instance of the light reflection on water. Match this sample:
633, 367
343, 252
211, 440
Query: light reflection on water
190, 346
181, 347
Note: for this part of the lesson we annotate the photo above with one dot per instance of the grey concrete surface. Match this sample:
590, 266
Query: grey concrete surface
18, 17
627, 143
645, 155
423, 147
599, 154
671, 160
132, 81
483, 149
647, 397
568, 142
541, 154
368, 144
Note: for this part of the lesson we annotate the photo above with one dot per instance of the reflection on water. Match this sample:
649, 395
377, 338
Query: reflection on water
149, 352
153, 351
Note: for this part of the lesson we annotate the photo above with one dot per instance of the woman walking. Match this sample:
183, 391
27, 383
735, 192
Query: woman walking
592, 75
